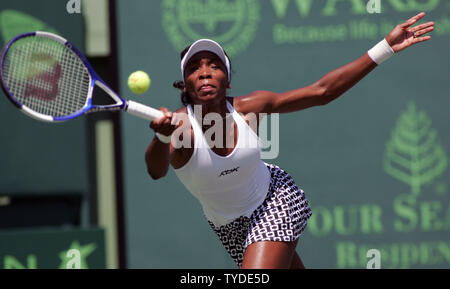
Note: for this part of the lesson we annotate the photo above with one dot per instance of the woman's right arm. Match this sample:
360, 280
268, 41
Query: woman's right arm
159, 154
157, 158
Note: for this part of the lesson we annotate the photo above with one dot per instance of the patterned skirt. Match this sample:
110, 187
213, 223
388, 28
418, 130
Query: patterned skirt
281, 217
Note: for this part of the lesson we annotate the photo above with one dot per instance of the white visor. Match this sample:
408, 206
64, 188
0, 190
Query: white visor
205, 45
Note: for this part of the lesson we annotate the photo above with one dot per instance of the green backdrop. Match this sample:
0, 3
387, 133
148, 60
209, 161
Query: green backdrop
373, 163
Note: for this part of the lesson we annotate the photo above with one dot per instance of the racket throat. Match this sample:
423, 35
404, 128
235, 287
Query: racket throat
104, 99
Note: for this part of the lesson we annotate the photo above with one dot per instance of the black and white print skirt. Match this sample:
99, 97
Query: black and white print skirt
281, 217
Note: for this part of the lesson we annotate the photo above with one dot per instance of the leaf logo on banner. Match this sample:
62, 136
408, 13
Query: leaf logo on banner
413, 154
13, 23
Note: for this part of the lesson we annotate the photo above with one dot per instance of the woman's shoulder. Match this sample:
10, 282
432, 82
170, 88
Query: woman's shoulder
182, 109
184, 153
182, 114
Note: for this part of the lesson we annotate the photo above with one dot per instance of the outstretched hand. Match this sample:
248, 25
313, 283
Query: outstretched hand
403, 35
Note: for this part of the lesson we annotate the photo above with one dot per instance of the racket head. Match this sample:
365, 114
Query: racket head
48, 78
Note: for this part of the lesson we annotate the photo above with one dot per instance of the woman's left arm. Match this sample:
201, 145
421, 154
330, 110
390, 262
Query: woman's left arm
334, 83
402, 36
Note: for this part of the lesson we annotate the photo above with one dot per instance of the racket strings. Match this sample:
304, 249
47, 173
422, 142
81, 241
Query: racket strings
47, 77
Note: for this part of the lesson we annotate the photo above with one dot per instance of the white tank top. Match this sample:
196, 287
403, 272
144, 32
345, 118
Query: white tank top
226, 186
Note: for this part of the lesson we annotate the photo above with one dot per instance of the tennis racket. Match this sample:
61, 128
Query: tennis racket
49, 79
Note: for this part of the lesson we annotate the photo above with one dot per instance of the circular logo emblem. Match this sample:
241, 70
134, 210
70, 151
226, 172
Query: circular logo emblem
231, 23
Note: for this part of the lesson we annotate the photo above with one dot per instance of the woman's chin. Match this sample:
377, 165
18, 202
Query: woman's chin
208, 98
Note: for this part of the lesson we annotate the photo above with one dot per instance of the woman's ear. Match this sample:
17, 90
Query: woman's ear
229, 85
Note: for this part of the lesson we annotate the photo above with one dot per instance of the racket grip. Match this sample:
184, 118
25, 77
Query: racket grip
142, 111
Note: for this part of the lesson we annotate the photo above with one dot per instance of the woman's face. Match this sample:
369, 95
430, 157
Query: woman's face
206, 78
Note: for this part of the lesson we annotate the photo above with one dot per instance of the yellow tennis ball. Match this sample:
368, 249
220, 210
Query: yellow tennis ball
139, 82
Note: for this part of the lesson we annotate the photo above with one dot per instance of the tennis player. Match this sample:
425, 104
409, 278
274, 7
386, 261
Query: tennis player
256, 208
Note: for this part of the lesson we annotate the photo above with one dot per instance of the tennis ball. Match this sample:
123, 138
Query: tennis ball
139, 82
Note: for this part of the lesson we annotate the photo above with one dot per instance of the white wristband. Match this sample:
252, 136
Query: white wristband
163, 138
380, 52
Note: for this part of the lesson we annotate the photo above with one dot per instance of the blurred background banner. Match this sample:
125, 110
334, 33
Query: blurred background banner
50, 249
374, 163
35, 154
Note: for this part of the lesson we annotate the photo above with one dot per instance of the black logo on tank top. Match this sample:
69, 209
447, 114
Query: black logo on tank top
227, 172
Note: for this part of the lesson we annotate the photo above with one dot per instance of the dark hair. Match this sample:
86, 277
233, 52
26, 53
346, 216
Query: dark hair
185, 97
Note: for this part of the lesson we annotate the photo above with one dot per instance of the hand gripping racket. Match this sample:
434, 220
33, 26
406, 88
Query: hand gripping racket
49, 79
